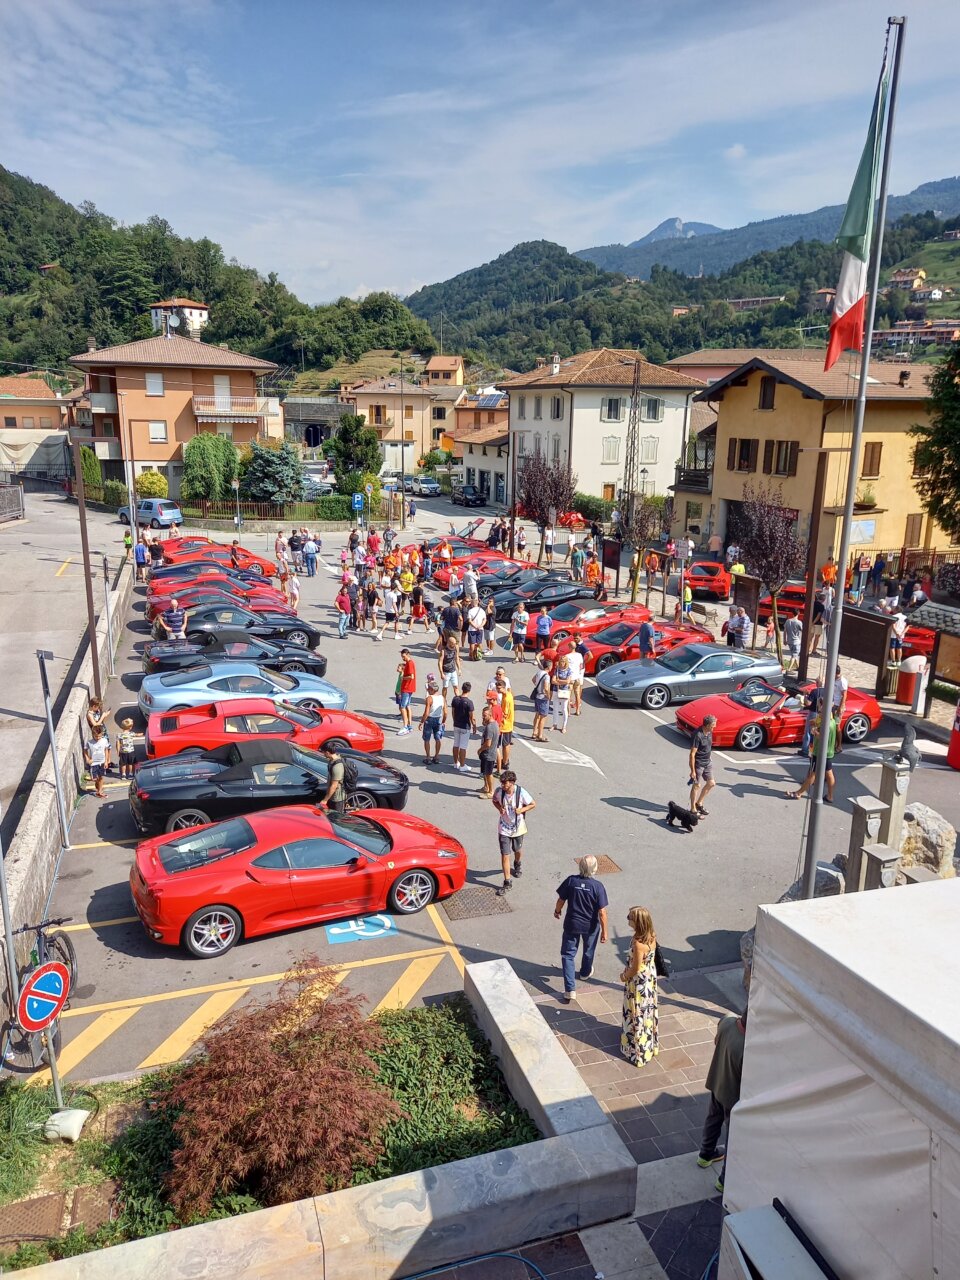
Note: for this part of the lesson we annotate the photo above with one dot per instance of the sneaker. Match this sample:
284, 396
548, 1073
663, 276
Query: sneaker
718, 1185
584, 977
456, 766
706, 1161
517, 870
401, 732
504, 888
702, 812
569, 997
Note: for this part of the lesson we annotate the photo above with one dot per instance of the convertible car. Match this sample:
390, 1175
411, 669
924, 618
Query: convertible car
197, 787
253, 719
221, 681
620, 641
763, 715
224, 616
207, 887
689, 672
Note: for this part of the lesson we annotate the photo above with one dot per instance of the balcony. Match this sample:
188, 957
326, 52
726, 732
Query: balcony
102, 401
694, 479
229, 408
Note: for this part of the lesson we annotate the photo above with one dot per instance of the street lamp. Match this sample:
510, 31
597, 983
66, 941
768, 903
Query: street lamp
43, 657
235, 486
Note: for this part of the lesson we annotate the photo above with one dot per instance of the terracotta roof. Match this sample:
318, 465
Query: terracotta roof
739, 355
392, 385
26, 388
839, 383
702, 417
486, 434
604, 368
178, 352
179, 302
445, 363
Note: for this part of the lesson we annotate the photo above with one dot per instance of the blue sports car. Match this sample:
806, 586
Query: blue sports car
219, 681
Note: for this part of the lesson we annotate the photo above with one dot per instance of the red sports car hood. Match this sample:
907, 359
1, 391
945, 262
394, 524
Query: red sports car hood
408, 831
718, 705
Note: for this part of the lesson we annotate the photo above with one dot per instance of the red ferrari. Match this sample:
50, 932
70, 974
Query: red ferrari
206, 887
620, 642
185, 544
566, 519
217, 553
194, 597
216, 578
760, 714
790, 600
707, 578
583, 618
245, 719
481, 560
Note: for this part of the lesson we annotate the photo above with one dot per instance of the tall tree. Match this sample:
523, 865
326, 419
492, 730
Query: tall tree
936, 458
544, 488
355, 447
769, 544
273, 475
202, 477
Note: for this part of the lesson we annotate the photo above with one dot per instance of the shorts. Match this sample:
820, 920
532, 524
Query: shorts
419, 611
474, 636
487, 766
128, 758
451, 679
489, 633
404, 699
896, 643
449, 633
97, 771
703, 773
432, 728
506, 737
519, 639
541, 706
389, 617
543, 642
461, 739
510, 844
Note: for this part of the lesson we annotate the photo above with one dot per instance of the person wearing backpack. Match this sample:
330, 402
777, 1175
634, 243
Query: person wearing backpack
342, 780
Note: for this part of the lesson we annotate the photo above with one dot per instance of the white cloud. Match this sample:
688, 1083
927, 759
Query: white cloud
735, 152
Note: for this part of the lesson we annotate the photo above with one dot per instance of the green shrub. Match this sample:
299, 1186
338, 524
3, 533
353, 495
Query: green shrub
115, 493
151, 484
335, 506
90, 466
592, 508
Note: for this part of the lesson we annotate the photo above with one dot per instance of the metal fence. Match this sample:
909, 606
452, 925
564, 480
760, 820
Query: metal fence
904, 560
11, 502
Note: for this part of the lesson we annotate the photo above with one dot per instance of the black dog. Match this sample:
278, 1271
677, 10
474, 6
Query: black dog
688, 818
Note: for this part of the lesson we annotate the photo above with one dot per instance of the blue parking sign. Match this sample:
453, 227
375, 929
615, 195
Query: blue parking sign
358, 502
360, 929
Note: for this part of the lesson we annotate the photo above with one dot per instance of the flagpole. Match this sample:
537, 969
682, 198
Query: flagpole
836, 621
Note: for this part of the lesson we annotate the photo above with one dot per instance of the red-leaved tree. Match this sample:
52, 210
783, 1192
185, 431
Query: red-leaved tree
542, 485
769, 544
283, 1101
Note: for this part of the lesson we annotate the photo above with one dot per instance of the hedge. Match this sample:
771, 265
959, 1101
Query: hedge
115, 493
335, 506
592, 508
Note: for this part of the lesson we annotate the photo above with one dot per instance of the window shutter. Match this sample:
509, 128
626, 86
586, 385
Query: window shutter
767, 457
731, 454
754, 450
792, 456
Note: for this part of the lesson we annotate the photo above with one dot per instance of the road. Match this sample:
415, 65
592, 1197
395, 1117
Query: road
602, 789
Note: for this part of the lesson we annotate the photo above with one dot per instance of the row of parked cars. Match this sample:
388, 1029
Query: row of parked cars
240, 721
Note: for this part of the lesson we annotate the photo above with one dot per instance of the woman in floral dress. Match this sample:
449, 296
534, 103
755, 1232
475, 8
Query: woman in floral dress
639, 1036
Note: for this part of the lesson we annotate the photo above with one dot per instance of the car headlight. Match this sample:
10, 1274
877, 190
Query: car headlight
449, 853
386, 781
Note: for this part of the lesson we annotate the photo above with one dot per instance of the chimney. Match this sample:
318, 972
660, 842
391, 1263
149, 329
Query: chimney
91, 343
541, 362
904, 377
556, 363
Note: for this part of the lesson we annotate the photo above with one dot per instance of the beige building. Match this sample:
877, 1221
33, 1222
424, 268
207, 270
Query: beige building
774, 417
410, 418
444, 371
28, 404
159, 393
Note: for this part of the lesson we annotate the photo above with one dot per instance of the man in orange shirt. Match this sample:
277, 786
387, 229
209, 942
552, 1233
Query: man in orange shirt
652, 565
828, 572
592, 571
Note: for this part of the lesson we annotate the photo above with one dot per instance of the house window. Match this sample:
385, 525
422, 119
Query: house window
106, 427
154, 383
521, 406
609, 492
611, 409
913, 530
556, 407
611, 449
28, 422
647, 486
648, 448
470, 448
768, 391
694, 512
378, 412
742, 455
536, 443
521, 443
651, 409
476, 417
871, 459
538, 406
9, 422
491, 416
46, 422
408, 410
157, 432
225, 429
484, 450
447, 377
408, 435
471, 475
556, 448
439, 414
436, 435
917, 469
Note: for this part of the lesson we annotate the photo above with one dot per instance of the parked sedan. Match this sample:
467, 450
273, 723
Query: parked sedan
224, 680
620, 642
254, 719
761, 714
206, 888
160, 656
224, 616
579, 618
535, 594
198, 787
685, 673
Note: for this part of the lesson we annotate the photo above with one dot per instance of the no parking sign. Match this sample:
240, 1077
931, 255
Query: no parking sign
43, 996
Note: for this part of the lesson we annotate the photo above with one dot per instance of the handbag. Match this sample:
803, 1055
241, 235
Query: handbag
661, 963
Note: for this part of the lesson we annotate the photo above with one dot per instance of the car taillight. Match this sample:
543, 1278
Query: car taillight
142, 795
147, 699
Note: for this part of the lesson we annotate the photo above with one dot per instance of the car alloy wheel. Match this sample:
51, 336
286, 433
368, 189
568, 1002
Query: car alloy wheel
256, 568
412, 892
154, 523
856, 728
560, 635
211, 931
310, 704
298, 637
337, 744
607, 660
361, 800
658, 695
751, 737
293, 666
184, 818
124, 519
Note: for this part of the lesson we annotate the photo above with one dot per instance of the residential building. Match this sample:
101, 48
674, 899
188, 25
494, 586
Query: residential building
928, 293
196, 314
444, 371
754, 304
923, 333
947, 235
710, 363
576, 411
480, 442
158, 393
775, 416
401, 412
823, 299
28, 404
444, 414
907, 278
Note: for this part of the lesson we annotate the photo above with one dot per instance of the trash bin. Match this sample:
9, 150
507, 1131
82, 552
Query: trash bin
890, 677
909, 679
953, 751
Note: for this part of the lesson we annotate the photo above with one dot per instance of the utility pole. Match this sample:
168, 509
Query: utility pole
87, 574
631, 466
403, 454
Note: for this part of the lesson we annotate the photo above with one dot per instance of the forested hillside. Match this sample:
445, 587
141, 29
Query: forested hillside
107, 275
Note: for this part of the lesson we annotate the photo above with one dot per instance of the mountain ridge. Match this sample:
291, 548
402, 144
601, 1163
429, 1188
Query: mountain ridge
675, 229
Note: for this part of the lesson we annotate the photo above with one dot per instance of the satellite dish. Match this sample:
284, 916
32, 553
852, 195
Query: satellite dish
173, 320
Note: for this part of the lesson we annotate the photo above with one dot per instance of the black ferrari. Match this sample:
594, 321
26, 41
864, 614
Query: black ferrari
533, 595
216, 618
197, 787
188, 570
160, 656
506, 576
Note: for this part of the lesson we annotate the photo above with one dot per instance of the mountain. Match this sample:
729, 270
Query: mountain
716, 251
674, 229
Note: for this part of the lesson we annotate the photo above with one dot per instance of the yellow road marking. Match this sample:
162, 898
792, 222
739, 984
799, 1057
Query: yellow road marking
444, 932
98, 924
409, 983
105, 844
82, 1045
66, 562
134, 1002
191, 1029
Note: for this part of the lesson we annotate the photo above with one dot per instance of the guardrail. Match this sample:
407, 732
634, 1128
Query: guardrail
11, 502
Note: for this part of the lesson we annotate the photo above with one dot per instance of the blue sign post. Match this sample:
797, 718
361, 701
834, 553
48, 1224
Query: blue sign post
358, 502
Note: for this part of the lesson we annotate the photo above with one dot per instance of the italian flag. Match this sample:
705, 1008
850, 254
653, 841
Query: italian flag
855, 238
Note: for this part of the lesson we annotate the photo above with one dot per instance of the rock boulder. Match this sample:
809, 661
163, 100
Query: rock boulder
928, 841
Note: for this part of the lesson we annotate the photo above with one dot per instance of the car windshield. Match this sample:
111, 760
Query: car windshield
365, 834
619, 633
210, 844
279, 678
300, 715
758, 697
566, 612
190, 676
177, 770
682, 659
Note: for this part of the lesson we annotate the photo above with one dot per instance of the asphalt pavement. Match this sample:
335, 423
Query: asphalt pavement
601, 788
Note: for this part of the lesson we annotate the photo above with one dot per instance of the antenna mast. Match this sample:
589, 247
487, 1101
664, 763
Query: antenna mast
631, 467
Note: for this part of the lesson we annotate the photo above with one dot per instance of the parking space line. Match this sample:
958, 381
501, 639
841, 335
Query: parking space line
134, 1002
97, 924
445, 936
659, 719
105, 844
66, 562
409, 983
191, 1029
90, 1038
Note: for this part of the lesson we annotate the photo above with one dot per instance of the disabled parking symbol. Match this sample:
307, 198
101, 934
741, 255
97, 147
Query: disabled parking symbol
361, 929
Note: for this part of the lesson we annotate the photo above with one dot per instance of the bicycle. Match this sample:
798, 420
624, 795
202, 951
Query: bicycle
15, 1043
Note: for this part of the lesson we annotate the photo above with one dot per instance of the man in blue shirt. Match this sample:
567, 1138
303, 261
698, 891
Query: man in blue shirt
174, 621
646, 639
585, 922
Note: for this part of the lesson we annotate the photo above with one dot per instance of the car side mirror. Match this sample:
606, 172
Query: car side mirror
358, 862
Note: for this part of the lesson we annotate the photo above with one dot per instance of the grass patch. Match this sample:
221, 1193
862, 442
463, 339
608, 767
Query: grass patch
945, 692
23, 1113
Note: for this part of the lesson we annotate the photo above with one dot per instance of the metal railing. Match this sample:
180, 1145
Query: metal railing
229, 405
903, 560
11, 502
694, 479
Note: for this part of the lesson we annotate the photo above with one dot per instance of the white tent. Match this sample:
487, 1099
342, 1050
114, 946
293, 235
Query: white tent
849, 1111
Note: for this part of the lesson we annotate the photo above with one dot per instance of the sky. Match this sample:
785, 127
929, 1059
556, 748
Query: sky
379, 145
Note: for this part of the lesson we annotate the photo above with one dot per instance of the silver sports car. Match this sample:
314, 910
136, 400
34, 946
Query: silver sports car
218, 681
691, 671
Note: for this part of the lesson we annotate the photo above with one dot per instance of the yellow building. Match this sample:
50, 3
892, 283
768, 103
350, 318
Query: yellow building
409, 418
444, 371
776, 418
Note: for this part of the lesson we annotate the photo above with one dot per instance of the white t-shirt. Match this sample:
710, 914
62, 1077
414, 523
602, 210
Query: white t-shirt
509, 818
575, 663
492, 686
390, 601
477, 618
